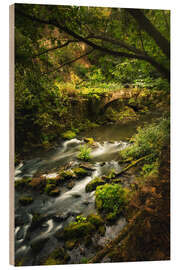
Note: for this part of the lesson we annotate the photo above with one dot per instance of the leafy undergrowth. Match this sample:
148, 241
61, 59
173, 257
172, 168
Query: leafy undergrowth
149, 141
146, 237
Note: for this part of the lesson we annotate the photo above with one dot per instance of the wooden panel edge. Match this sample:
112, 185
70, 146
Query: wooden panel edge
11, 135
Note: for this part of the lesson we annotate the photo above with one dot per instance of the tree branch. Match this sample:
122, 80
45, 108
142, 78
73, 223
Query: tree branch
55, 48
117, 42
148, 27
69, 62
165, 72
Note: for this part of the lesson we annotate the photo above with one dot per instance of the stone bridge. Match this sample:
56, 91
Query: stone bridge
98, 107
124, 95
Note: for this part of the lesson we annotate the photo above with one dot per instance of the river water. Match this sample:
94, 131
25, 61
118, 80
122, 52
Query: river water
110, 140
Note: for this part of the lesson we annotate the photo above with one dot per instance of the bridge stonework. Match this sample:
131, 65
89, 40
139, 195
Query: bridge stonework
111, 97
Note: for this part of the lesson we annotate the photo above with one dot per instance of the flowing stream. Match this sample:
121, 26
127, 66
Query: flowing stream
69, 203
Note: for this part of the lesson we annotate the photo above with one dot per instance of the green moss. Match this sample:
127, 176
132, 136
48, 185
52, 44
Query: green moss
69, 134
66, 175
93, 184
24, 200
112, 216
80, 172
76, 230
95, 219
89, 141
49, 187
111, 199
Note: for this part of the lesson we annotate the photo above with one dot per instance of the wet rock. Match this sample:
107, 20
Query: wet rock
87, 166
19, 221
74, 213
66, 175
80, 172
38, 183
76, 230
37, 220
22, 184
61, 217
102, 163
70, 185
95, 219
76, 195
49, 188
93, 184
86, 202
55, 192
25, 200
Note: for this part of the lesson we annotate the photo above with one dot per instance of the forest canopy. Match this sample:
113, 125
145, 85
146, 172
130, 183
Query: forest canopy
70, 47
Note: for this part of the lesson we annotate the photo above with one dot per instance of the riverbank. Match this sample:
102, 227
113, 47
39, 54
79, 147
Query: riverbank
56, 192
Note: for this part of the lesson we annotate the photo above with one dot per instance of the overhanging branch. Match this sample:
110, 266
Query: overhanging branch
55, 48
164, 71
69, 62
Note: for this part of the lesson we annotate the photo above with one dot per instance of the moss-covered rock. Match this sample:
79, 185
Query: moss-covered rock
111, 217
80, 172
55, 192
93, 184
49, 187
25, 200
66, 175
38, 183
111, 200
76, 230
70, 184
69, 134
23, 183
58, 256
37, 220
95, 219
90, 141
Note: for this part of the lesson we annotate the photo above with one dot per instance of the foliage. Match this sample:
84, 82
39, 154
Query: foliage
149, 140
80, 219
84, 153
46, 76
111, 198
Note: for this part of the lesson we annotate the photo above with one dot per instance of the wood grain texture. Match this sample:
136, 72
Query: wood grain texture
11, 135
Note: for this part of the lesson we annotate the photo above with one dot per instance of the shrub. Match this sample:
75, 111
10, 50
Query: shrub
148, 140
84, 153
